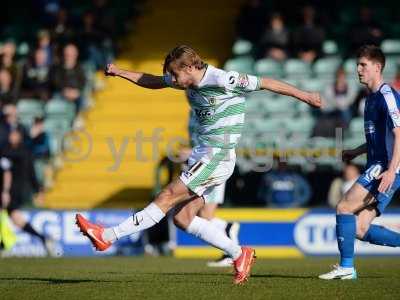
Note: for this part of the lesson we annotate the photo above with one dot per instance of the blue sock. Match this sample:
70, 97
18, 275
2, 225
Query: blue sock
380, 235
346, 233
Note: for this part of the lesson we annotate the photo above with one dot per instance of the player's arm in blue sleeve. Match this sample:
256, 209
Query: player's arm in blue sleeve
392, 106
148, 81
283, 88
350, 154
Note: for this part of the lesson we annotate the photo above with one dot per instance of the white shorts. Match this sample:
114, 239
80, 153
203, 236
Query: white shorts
209, 169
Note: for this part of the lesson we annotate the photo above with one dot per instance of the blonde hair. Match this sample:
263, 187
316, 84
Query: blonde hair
182, 56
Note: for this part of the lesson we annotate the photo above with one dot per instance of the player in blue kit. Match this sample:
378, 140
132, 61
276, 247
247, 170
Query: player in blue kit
374, 189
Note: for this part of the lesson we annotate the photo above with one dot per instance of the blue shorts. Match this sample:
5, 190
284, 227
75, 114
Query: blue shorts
368, 180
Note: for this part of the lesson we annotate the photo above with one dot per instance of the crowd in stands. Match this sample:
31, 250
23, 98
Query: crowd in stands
49, 53
311, 45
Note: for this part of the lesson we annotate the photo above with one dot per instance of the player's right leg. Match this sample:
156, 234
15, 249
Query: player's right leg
186, 219
102, 238
231, 229
355, 200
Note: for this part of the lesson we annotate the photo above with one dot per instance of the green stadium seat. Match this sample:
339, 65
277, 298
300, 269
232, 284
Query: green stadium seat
280, 107
390, 46
326, 67
350, 67
392, 64
242, 47
314, 84
300, 127
330, 47
357, 126
56, 128
296, 68
28, 110
268, 67
240, 64
60, 109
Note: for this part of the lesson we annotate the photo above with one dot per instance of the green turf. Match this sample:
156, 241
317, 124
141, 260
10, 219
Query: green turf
169, 278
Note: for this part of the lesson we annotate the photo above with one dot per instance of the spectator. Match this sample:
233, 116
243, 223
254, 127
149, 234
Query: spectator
68, 79
105, 20
7, 94
90, 41
9, 123
36, 77
339, 97
342, 184
366, 31
284, 188
44, 43
7, 61
62, 32
40, 148
308, 38
250, 20
18, 185
275, 39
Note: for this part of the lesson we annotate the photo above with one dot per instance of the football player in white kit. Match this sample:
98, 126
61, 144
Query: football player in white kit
217, 99
216, 198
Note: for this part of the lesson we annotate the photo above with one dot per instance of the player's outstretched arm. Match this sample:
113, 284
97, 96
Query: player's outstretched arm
283, 88
141, 79
348, 155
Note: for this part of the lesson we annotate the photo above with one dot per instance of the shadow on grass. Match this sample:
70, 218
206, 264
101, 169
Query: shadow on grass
53, 280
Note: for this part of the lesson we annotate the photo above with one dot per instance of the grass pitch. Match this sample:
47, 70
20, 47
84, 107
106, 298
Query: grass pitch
169, 278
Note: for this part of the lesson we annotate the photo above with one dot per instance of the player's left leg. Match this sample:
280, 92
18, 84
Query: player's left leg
356, 199
377, 234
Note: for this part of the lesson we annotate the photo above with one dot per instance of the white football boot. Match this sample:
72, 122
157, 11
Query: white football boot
339, 272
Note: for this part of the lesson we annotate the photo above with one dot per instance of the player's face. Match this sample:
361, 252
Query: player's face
182, 78
367, 70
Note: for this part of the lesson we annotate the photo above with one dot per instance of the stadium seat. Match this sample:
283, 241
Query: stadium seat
280, 107
350, 67
390, 47
56, 129
296, 68
326, 67
28, 110
391, 66
60, 109
357, 126
314, 84
330, 47
240, 64
268, 67
300, 127
242, 47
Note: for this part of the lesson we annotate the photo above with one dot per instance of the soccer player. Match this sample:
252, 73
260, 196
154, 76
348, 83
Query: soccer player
374, 189
215, 199
217, 98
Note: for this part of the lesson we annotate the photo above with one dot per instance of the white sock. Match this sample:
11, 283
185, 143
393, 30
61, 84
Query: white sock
209, 233
141, 220
219, 223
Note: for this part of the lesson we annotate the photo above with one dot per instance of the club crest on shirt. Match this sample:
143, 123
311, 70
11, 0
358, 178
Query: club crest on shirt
243, 81
369, 127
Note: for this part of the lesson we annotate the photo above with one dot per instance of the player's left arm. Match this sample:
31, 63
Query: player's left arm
388, 177
283, 88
